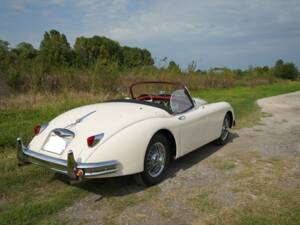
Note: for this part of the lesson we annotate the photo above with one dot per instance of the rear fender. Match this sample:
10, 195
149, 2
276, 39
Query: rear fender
129, 145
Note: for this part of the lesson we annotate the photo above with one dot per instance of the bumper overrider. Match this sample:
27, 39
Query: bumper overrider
75, 171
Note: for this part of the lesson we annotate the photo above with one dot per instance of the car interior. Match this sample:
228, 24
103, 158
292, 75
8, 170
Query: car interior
172, 96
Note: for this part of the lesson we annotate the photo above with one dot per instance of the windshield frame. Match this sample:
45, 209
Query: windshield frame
176, 84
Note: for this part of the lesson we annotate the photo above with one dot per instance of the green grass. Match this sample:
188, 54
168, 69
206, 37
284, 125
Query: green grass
222, 164
272, 206
30, 195
203, 204
243, 99
15, 121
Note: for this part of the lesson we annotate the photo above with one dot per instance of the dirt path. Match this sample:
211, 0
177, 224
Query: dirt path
212, 185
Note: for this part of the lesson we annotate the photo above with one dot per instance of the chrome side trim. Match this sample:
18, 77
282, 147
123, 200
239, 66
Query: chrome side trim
68, 167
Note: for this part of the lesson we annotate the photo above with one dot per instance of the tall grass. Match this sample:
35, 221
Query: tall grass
111, 78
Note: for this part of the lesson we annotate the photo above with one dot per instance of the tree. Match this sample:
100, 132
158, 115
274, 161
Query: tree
55, 49
4, 55
285, 70
279, 62
132, 57
147, 58
260, 70
174, 67
192, 67
102, 50
4, 48
84, 52
110, 51
25, 50
239, 72
266, 68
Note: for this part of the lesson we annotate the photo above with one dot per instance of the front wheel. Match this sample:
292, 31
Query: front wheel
156, 161
225, 133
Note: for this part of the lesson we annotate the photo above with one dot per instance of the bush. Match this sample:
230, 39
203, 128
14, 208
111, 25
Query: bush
285, 70
14, 79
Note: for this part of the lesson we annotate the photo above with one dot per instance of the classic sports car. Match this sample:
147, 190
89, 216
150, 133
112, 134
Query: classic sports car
136, 135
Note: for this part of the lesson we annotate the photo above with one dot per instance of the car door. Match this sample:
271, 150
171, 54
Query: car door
192, 120
194, 129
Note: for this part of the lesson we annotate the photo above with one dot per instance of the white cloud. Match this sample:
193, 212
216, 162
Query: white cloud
18, 4
211, 31
163, 19
187, 29
101, 9
22, 5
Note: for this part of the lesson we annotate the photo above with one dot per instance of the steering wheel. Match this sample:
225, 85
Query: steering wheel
145, 97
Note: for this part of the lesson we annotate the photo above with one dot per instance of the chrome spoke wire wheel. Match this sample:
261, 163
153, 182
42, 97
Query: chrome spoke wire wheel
225, 131
156, 159
225, 128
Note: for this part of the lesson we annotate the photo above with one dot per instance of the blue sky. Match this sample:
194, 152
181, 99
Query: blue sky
214, 33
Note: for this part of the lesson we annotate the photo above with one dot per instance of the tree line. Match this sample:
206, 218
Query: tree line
56, 51
99, 62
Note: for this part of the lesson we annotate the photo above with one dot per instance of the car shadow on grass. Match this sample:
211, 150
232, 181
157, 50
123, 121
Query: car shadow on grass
121, 186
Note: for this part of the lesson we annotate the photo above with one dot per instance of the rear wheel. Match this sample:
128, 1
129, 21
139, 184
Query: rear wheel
156, 161
225, 133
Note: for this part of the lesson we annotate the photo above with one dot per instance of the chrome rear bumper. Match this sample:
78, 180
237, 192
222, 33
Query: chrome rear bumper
69, 167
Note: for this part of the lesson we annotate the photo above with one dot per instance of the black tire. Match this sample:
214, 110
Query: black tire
158, 144
225, 133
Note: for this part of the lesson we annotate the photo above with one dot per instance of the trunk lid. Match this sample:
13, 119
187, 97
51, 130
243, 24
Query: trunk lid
83, 122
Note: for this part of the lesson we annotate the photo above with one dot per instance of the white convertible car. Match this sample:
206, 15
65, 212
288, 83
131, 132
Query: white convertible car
136, 135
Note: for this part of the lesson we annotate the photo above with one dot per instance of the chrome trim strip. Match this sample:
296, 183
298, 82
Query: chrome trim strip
80, 119
92, 170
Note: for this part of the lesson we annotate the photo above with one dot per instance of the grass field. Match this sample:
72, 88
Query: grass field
31, 195
243, 99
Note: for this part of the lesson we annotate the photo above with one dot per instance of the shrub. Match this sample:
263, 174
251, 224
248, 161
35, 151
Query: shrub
285, 70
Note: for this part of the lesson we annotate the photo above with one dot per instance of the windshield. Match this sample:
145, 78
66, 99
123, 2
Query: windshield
173, 96
180, 101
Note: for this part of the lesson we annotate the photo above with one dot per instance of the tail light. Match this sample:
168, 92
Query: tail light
95, 139
39, 128
79, 172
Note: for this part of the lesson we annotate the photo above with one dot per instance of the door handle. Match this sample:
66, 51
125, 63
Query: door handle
181, 117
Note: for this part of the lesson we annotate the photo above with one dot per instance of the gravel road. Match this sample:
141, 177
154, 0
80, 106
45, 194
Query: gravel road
212, 183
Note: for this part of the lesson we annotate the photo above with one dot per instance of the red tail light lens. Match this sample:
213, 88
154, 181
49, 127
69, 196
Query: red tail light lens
90, 141
95, 139
39, 128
